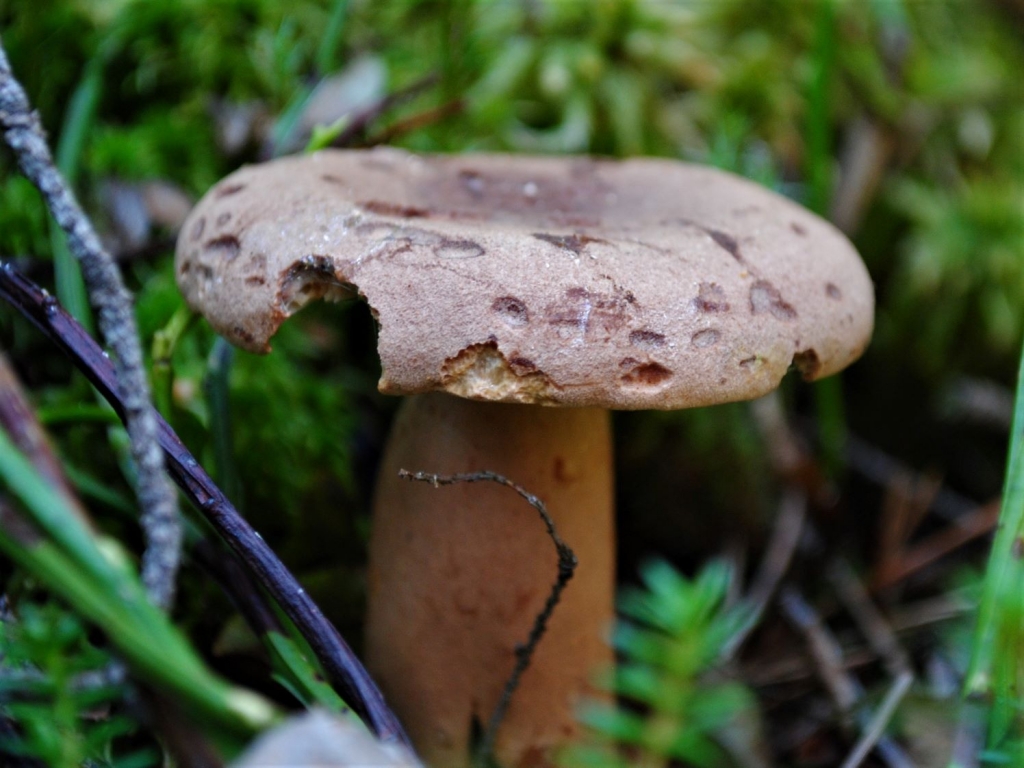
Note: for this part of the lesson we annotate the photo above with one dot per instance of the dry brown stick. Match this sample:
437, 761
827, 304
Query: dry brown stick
883, 641
893, 533
879, 467
871, 143
872, 624
785, 537
875, 729
868, 149
794, 667
846, 692
908, 497
239, 585
825, 650
359, 122
930, 611
185, 745
566, 567
19, 422
415, 122
788, 453
969, 527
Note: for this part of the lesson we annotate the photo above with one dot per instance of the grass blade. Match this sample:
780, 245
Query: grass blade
996, 663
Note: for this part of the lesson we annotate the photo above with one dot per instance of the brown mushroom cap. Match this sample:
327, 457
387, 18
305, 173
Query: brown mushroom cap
567, 281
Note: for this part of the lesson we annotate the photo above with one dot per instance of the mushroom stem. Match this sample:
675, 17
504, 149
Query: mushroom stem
458, 574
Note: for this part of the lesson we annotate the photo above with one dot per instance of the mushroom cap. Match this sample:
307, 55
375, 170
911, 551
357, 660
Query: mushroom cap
642, 283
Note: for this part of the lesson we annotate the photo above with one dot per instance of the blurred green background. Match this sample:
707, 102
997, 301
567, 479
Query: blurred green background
900, 120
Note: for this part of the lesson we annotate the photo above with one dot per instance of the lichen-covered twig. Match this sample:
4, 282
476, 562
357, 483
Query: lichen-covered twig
566, 567
160, 521
341, 666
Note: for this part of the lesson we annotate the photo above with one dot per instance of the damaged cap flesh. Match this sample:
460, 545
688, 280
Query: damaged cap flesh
624, 284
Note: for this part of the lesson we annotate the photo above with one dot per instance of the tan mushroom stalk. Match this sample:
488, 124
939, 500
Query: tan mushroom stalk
458, 574
532, 282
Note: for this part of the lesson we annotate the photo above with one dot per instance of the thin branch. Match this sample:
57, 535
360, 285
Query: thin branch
825, 650
251, 602
969, 737
161, 523
788, 454
185, 744
340, 664
566, 567
783, 543
789, 524
880, 468
845, 690
872, 624
883, 641
875, 729
361, 121
415, 122
973, 525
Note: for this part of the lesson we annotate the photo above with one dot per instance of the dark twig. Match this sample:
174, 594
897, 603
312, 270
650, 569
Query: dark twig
415, 122
361, 121
238, 585
186, 745
868, 149
872, 624
844, 689
340, 664
566, 567
874, 731
788, 453
824, 648
781, 547
789, 524
160, 519
912, 559
882, 639
880, 468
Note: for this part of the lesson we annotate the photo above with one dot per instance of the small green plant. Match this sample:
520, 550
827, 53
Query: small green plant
92, 573
50, 686
673, 706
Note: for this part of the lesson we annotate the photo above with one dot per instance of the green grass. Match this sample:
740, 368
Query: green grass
94, 575
996, 672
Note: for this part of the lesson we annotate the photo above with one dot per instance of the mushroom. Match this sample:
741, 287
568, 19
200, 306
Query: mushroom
515, 283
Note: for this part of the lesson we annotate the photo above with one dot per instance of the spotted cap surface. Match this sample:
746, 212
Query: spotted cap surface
630, 284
